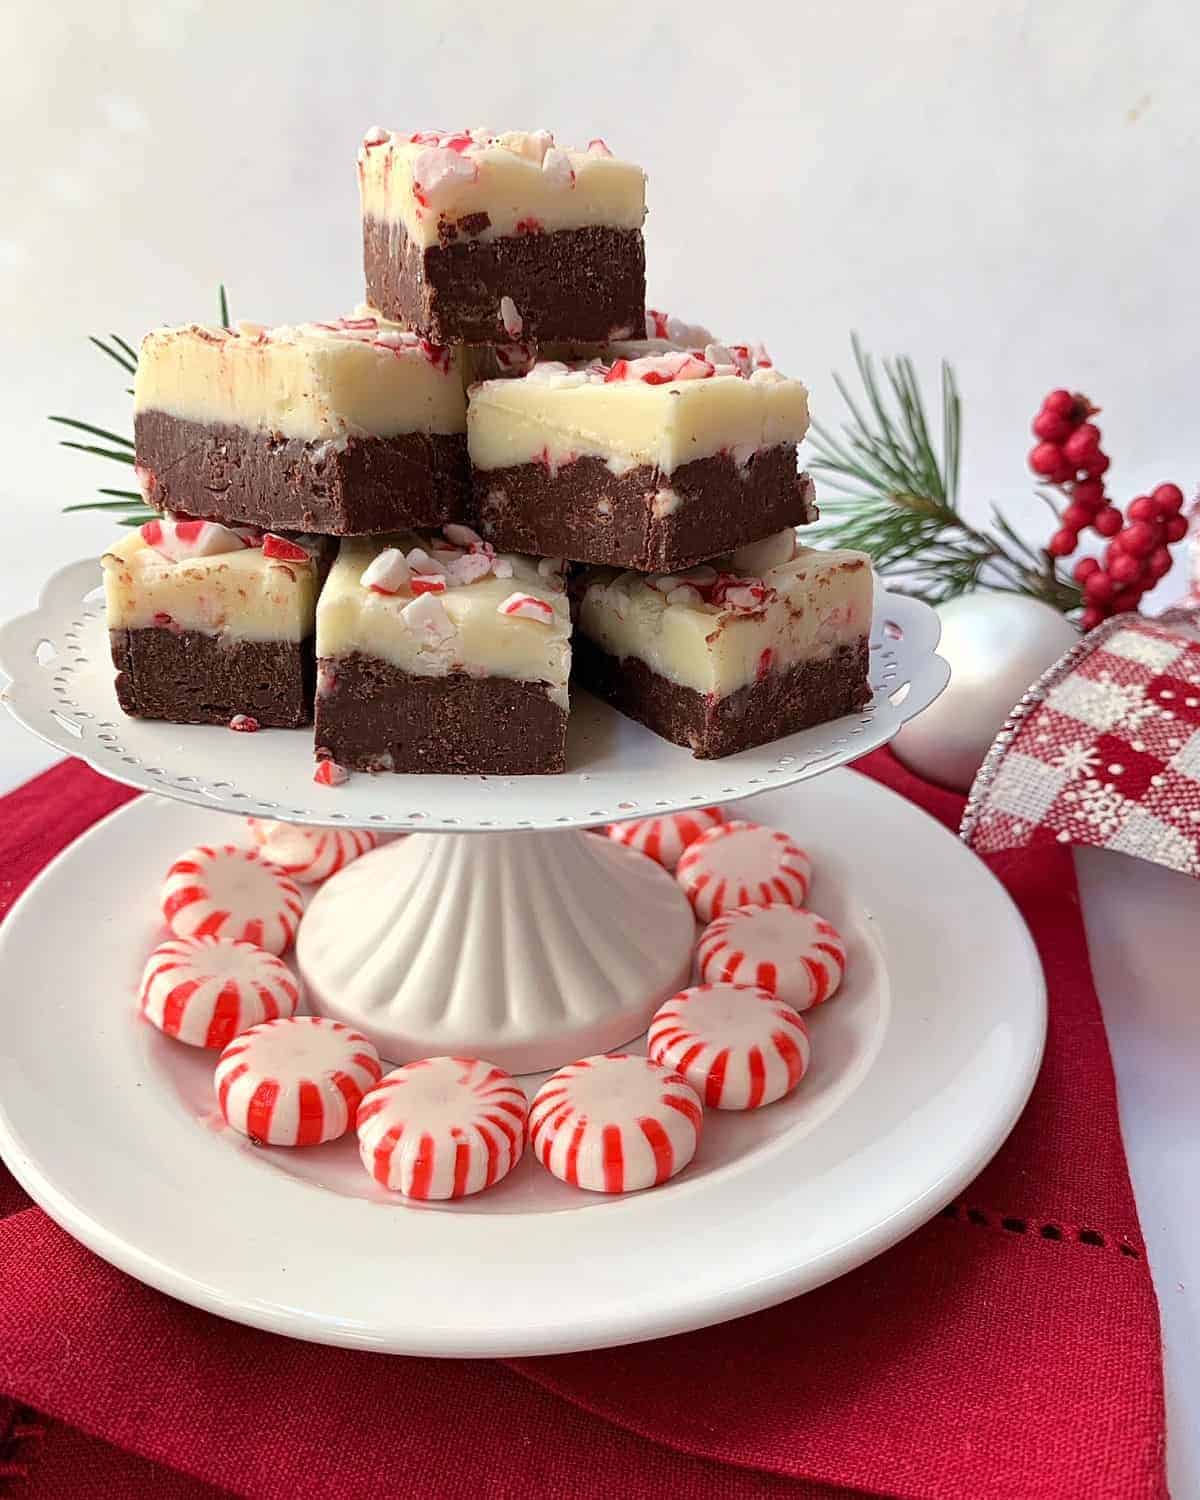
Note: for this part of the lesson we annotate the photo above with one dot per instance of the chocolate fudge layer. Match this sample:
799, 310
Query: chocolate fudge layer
642, 519
338, 428
205, 626
187, 677
372, 716
476, 237
811, 692
434, 653
579, 283
654, 462
765, 642
223, 472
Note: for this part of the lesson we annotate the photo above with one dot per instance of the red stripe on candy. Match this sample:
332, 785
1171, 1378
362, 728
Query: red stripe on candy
790, 1053
226, 1084
212, 924
462, 1165
311, 1121
423, 1167
226, 1014
660, 1143
177, 900
714, 1084
758, 1077
612, 1153
351, 1093
262, 1108
685, 1106
176, 1004
819, 975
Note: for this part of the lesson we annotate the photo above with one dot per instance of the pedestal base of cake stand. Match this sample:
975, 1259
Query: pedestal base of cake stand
528, 949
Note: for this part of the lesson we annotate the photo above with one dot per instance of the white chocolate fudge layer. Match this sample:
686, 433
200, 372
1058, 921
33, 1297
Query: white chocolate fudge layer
664, 410
243, 595
358, 377
715, 629
461, 628
522, 181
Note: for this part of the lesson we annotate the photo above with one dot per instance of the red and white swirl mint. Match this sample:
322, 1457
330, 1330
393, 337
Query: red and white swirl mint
309, 855
443, 1127
615, 1123
743, 864
204, 991
295, 1082
788, 950
665, 839
223, 891
180, 540
736, 1044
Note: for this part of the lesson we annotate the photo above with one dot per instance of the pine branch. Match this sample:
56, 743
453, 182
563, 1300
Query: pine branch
894, 496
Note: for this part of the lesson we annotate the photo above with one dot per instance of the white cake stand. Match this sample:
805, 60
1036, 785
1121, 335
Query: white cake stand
532, 946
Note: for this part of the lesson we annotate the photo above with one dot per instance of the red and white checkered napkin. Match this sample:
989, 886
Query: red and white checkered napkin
1103, 750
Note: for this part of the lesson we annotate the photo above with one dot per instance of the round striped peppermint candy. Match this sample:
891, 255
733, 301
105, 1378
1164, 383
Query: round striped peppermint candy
223, 891
665, 839
742, 864
203, 991
443, 1127
309, 855
615, 1123
737, 1045
295, 1082
790, 951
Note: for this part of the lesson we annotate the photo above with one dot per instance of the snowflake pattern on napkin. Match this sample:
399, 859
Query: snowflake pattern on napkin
1103, 750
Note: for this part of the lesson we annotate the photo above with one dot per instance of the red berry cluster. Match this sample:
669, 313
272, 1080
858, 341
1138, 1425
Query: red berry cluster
1069, 455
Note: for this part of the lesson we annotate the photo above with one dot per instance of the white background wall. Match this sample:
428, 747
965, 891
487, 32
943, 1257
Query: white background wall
1012, 186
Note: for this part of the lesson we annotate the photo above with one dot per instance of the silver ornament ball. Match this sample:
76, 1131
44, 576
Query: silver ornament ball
996, 645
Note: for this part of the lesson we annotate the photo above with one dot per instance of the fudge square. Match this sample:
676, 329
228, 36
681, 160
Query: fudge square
436, 654
209, 626
769, 641
655, 462
338, 428
477, 238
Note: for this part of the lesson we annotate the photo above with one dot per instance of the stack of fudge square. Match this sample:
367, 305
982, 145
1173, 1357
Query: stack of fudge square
418, 527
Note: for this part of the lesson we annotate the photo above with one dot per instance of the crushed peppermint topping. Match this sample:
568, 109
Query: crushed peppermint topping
527, 607
532, 146
502, 568
329, 773
420, 561
658, 369
283, 550
387, 573
511, 318
557, 168
426, 616
244, 724
705, 586
428, 583
179, 541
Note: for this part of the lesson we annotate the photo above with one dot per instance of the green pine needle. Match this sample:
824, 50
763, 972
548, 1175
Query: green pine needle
895, 496
100, 432
223, 306
128, 362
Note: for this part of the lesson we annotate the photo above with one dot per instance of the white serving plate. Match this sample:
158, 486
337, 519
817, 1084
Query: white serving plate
921, 1066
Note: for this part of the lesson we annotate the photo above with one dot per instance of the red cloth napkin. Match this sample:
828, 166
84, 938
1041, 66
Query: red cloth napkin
1008, 1348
